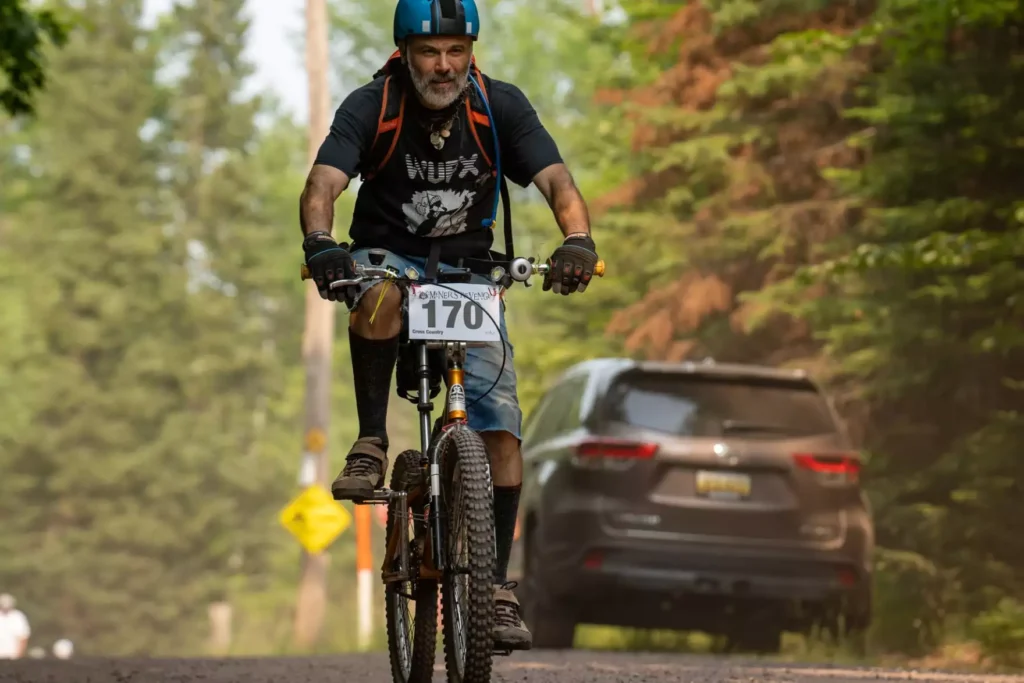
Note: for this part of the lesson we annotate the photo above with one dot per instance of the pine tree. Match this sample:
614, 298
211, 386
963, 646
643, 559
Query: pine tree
922, 304
242, 321
144, 471
100, 555
730, 134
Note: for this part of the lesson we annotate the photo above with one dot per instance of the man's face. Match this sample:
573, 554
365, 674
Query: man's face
439, 67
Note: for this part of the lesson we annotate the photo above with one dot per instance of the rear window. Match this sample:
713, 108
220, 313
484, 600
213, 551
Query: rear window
687, 405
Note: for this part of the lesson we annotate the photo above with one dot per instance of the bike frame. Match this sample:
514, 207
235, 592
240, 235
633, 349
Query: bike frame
434, 561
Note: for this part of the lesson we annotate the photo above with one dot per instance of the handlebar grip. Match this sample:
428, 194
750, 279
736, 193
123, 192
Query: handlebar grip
304, 272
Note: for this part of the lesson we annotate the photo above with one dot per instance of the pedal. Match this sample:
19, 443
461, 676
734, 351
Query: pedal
380, 496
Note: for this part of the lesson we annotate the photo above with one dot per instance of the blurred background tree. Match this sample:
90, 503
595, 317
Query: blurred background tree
24, 33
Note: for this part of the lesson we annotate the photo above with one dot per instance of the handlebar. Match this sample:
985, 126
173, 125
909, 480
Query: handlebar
520, 270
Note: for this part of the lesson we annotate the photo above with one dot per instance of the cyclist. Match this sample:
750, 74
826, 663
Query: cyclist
418, 134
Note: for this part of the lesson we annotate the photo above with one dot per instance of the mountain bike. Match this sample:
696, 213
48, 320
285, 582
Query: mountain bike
440, 521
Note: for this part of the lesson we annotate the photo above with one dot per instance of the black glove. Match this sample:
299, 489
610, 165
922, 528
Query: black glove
572, 265
328, 261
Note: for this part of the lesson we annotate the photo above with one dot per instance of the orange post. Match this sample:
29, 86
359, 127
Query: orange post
364, 553
364, 574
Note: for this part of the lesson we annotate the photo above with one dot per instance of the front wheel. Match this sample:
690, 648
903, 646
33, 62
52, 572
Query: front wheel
412, 638
468, 585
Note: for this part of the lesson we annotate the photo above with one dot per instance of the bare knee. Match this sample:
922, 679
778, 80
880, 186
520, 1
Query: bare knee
506, 458
384, 311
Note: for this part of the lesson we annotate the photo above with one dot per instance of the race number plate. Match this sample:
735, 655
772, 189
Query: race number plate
455, 312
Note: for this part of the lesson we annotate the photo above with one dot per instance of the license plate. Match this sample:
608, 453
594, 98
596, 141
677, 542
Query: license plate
723, 485
455, 312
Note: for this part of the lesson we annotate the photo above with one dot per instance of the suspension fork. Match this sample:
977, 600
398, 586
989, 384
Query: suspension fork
454, 409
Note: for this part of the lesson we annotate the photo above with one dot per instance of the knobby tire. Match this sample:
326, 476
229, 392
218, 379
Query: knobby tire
468, 500
406, 474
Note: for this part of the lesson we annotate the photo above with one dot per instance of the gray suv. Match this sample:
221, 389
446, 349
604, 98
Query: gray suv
693, 496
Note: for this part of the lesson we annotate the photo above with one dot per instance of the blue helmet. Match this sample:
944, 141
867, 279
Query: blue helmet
436, 18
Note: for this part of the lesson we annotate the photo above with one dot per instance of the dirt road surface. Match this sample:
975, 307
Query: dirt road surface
535, 667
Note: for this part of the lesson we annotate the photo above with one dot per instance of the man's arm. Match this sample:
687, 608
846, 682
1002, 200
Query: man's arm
339, 157
566, 202
324, 185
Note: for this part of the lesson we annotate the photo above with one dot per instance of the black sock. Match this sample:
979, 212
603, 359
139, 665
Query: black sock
506, 505
373, 366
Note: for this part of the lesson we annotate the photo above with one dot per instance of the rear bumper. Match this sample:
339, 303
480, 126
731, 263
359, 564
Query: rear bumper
615, 579
694, 571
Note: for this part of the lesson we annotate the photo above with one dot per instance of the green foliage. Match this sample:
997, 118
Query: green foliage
23, 36
911, 603
741, 13
640, 640
1001, 633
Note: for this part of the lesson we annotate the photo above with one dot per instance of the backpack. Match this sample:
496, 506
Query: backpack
392, 116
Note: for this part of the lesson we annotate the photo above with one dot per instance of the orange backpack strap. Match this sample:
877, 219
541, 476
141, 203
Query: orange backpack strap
389, 121
476, 114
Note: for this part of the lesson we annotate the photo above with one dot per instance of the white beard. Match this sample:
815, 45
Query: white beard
434, 98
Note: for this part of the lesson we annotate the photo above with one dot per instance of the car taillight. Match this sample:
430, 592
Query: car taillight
614, 448
831, 468
612, 453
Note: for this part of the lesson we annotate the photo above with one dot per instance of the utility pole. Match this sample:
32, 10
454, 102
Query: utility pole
317, 344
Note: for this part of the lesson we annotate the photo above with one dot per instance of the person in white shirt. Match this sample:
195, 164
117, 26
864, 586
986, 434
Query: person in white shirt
14, 629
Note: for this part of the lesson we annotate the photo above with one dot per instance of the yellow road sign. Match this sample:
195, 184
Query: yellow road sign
315, 518
315, 440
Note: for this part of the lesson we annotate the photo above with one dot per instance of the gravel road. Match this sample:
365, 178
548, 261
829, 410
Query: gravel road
522, 667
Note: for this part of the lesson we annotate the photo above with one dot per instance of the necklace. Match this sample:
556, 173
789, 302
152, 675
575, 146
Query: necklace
441, 133
437, 137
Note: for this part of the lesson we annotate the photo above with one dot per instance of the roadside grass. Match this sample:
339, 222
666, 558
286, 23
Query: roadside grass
963, 656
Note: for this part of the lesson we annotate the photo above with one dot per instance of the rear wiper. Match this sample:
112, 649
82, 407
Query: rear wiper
741, 426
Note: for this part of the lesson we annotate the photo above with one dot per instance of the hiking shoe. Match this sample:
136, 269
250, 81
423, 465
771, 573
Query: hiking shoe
510, 633
365, 466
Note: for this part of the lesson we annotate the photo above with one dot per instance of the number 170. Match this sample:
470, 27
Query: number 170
472, 313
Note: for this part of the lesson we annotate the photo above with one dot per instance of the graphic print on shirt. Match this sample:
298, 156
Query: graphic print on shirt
440, 212
441, 171
436, 213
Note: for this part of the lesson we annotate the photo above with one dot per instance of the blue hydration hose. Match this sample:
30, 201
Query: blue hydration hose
488, 222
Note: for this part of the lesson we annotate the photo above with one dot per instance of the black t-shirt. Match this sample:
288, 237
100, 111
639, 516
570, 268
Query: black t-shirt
424, 194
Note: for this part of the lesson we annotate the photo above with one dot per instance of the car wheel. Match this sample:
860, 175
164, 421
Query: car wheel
848, 623
553, 628
852, 629
754, 635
